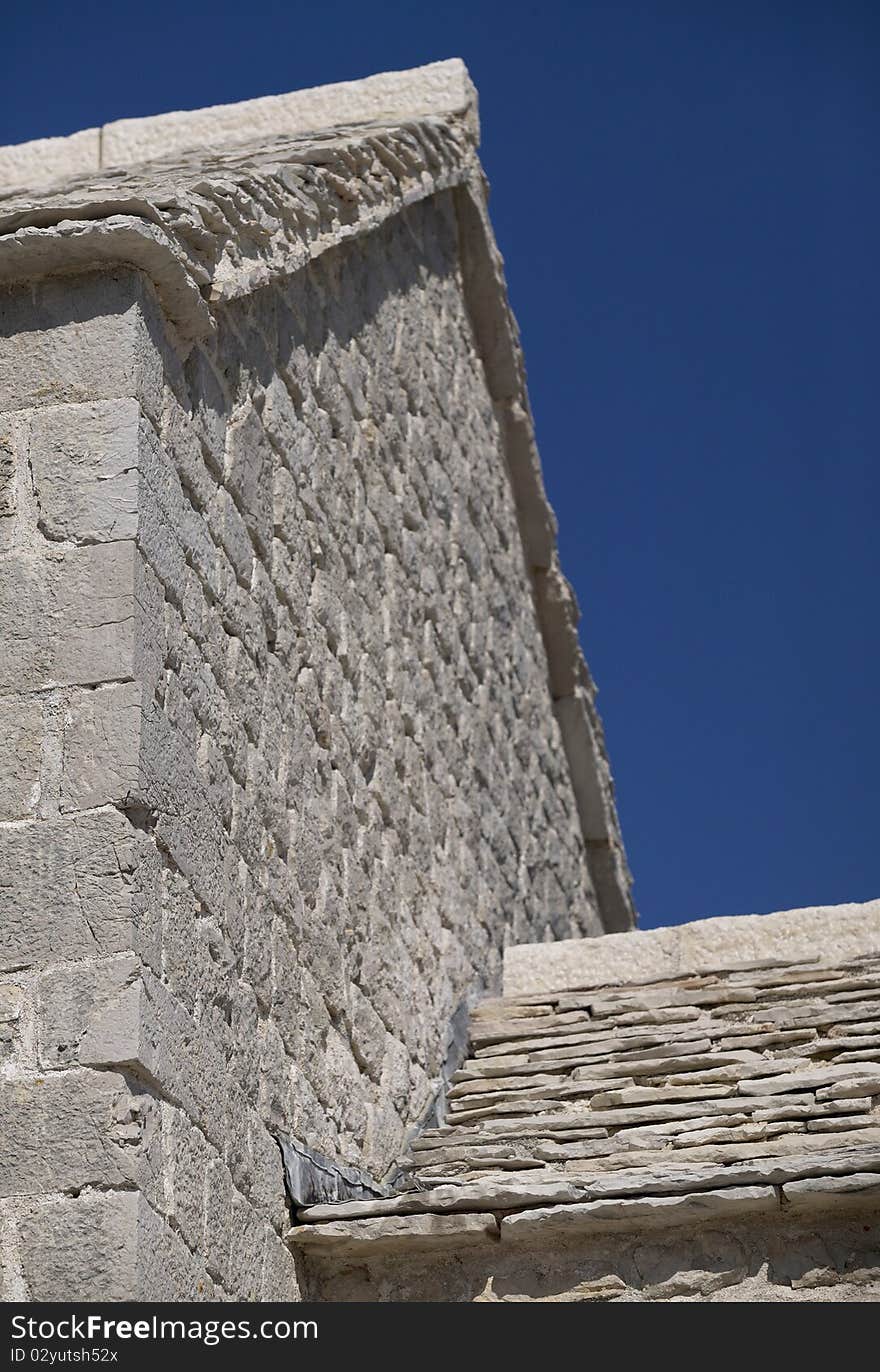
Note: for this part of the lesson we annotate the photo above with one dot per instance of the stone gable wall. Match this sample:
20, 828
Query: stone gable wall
280, 774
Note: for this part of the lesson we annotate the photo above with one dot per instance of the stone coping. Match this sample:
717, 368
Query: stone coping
440, 88
685, 949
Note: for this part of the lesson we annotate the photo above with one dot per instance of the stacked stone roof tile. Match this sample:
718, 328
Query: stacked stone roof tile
738, 1090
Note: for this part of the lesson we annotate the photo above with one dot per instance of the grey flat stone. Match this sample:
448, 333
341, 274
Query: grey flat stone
506, 1195
647, 1095
811, 1079
840, 1124
688, 1209
821, 1192
393, 1230
868, 1085
789, 936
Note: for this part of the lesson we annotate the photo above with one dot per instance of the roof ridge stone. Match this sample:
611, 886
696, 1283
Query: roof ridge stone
439, 88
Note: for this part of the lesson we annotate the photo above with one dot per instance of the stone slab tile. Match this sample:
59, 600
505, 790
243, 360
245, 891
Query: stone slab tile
392, 1230
704, 1206
822, 1192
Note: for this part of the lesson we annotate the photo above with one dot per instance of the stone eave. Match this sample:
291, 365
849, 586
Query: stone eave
207, 230
670, 1098
847, 1183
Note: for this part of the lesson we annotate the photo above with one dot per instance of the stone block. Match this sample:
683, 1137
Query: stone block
93, 614
7, 477
67, 340
64, 888
266, 1190
11, 1002
568, 1221
249, 1233
65, 1130
280, 1281
68, 619
110, 1246
84, 460
188, 1156
81, 1248
188, 826
414, 1231
439, 88
101, 747
143, 1027
72, 1000
21, 741
166, 1269
40, 160
24, 619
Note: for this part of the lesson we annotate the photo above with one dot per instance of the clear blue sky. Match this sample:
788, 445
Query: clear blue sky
688, 200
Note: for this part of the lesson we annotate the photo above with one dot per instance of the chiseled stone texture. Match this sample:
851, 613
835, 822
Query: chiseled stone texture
348, 758
283, 776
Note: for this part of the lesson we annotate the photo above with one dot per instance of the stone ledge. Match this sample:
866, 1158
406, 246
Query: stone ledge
395, 1231
419, 1222
438, 88
389, 97
690, 949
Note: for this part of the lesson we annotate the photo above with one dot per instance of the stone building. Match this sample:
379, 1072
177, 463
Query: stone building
296, 738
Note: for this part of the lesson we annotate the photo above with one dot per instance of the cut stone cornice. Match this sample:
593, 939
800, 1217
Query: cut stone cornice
394, 97
210, 227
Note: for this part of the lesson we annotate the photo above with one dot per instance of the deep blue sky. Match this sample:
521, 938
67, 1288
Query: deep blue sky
688, 201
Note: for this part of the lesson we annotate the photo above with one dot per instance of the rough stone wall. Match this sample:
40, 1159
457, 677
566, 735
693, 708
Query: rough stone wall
279, 774
129, 1165
355, 666
804, 1258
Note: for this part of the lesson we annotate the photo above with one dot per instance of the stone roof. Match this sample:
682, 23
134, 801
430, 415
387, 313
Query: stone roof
211, 205
750, 1085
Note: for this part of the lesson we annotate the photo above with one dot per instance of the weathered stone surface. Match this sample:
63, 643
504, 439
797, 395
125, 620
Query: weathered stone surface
825, 1192
412, 1230
437, 89
84, 460
42, 159
73, 999
840, 1124
862, 1075
865, 1082
84, 338
7, 477
21, 740
684, 948
101, 747
63, 1131
82, 1249
638, 1095
65, 888
69, 620
439, 1200
561, 1222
